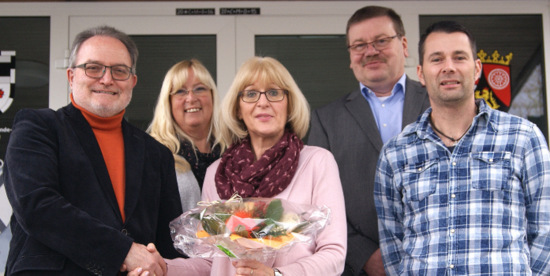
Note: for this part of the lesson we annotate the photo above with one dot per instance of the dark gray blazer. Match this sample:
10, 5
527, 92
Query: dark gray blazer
66, 219
347, 128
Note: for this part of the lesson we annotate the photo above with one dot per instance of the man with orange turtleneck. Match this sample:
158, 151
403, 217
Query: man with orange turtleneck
88, 189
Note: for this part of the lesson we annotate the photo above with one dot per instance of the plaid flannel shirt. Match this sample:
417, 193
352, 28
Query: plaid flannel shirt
483, 209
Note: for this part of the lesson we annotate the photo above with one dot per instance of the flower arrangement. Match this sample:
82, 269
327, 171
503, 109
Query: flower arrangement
251, 228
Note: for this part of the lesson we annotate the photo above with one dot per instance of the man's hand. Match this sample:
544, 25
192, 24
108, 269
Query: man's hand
375, 265
146, 258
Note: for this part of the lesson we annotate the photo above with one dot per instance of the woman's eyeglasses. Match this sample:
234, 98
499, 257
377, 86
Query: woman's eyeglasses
272, 95
197, 91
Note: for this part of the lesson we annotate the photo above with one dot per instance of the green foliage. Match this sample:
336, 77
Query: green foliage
274, 210
241, 231
213, 225
301, 227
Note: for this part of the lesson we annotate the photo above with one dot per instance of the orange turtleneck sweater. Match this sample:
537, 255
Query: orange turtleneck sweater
108, 133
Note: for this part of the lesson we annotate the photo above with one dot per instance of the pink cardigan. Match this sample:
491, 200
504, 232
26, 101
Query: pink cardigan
316, 182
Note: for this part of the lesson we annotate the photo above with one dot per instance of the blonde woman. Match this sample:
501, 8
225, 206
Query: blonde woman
265, 116
185, 121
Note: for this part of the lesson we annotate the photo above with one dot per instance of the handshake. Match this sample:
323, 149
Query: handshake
144, 261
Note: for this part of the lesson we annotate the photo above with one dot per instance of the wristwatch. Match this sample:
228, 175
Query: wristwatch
277, 272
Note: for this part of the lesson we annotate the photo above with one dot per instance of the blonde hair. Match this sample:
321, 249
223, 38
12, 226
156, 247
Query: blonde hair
269, 71
165, 129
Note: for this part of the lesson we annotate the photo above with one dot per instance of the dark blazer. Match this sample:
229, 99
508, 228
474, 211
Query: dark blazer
348, 129
66, 220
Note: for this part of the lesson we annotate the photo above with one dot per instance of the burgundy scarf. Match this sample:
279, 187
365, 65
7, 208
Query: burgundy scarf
238, 172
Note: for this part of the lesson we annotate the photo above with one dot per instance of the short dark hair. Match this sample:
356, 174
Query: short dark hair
369, 12
104, 31
445, 27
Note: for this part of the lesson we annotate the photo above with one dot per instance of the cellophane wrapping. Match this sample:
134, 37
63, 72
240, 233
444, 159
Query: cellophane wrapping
249, 228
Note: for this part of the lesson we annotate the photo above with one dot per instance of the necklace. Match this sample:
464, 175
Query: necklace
455, 141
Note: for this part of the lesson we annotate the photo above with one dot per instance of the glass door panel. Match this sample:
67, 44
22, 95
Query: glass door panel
312, 48
24, 79
318, 63
157, 54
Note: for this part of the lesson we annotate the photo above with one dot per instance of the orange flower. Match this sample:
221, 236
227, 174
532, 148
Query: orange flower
242, 214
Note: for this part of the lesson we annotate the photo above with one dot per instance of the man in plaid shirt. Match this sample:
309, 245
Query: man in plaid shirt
465, 190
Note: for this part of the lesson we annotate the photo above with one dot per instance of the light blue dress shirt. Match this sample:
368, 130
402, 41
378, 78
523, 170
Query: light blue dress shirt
387, 111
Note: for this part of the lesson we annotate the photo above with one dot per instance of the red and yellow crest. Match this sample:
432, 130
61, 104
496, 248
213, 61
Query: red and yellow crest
494, 85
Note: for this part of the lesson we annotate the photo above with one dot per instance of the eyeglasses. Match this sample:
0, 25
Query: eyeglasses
272, 95
379, 44
97, 71
197, 91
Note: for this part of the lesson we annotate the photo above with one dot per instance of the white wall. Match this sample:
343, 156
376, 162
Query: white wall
61, 14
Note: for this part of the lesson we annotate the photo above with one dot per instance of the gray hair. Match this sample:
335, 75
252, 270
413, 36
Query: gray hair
104, 31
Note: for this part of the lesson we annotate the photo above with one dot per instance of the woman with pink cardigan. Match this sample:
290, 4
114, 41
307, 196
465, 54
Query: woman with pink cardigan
264, 117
